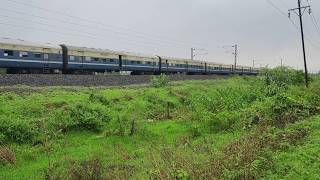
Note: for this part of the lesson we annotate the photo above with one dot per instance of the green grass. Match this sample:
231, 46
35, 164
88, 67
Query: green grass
211, 131
302, 161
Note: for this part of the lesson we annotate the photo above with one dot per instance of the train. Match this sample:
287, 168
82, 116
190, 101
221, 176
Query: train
19, 56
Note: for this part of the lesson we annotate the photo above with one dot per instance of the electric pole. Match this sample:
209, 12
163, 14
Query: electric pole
281, 62
253, 63
235, 53
300, 14
193, 53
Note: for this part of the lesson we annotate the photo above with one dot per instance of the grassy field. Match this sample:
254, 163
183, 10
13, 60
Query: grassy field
264, 127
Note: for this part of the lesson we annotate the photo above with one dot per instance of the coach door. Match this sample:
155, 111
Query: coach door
80, 65
46, 61
120, 62
167, 65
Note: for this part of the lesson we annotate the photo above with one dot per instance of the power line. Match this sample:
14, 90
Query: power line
284, 3
314, 20
88, 26
55, 12
91, 35
194, 54
68, 34
276, 7
282, 13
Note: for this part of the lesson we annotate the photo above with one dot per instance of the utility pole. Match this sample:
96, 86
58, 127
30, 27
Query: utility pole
253, 63
235, 53
281, 63
300, 14
193, 53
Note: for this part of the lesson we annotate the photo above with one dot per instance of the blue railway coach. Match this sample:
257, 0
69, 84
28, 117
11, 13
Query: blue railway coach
18, 56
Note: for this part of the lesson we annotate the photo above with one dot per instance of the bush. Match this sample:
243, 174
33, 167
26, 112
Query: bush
160, 81
128, 122
98, 98
88, 118
19, 131
223, 121
283, 76
81, 117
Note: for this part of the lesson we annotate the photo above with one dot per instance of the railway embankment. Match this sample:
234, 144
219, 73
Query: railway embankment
88, 80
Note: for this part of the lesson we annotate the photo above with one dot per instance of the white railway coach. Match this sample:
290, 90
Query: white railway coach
19, 56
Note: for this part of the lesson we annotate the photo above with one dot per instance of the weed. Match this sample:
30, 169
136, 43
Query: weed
91, 169
7, 156
98, 98
283, 76
19, 131
160, 81
88, 117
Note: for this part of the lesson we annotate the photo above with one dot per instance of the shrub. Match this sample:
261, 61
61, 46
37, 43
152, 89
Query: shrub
98, 98
19, 131
160, 81
195, 131
2, 138
283, 76
293, 105
223, 121
127, 123
86, 117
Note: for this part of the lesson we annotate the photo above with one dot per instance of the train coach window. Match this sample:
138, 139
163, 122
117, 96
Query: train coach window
112, 60
23, 54
71, 58
46, 56
37, 55
7, 53
138, 62
88, 58
148, 62
96, 59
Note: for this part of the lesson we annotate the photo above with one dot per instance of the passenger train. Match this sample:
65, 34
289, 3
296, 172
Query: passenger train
18, 56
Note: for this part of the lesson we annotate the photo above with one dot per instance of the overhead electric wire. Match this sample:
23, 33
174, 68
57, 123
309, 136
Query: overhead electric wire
315, 24
276, 7
296, 26
91, 27
55, 12
314, 20
283, 2
67, 34
88, 34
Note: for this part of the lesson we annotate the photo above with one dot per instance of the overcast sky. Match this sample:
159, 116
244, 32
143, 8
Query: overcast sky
170, 27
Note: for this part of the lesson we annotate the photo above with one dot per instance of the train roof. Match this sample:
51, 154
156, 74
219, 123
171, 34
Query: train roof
20, 42
108, 51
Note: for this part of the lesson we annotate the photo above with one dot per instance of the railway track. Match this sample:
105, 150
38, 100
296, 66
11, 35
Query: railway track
87, 80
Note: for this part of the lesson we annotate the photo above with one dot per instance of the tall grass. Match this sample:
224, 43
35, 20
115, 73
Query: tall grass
227, 129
